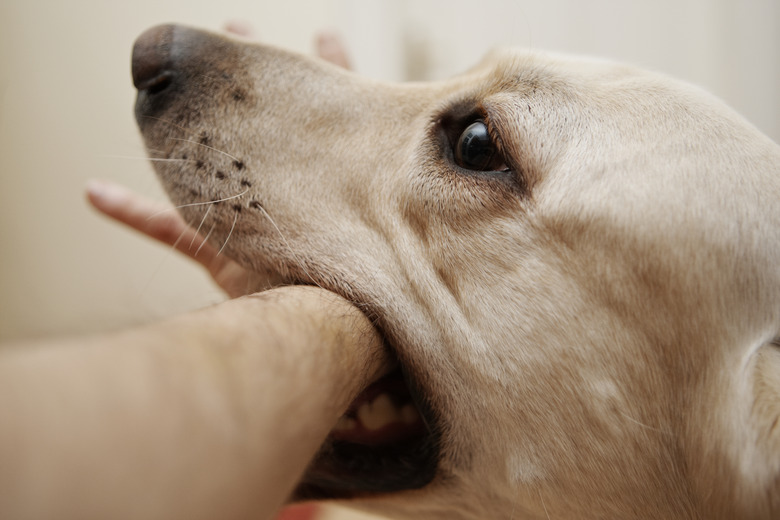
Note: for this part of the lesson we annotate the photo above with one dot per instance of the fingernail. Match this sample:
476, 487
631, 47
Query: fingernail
106, 192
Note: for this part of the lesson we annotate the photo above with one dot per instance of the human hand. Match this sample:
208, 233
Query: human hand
164, 224
328, 44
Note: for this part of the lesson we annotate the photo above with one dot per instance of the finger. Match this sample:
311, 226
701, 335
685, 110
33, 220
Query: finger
299, 512
152, 219
240, 28
331, 48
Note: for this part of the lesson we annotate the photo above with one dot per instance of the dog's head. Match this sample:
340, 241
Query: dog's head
575, 263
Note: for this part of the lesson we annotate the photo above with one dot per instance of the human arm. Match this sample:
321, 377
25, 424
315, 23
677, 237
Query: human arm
212, 414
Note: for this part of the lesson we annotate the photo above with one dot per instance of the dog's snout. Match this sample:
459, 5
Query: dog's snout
172, 64
152, 63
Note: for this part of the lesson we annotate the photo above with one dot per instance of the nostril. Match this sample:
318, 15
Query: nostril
157, 83
151, 63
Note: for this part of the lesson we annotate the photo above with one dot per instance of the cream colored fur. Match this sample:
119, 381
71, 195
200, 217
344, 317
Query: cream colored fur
594, 333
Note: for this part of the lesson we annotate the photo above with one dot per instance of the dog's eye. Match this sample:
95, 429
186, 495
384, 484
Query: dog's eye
475, 149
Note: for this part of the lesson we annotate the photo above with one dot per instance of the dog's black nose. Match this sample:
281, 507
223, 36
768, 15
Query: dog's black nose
173, 65
152, 63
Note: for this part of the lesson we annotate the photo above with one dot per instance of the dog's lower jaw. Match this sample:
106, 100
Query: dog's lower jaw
344, 470
350, 465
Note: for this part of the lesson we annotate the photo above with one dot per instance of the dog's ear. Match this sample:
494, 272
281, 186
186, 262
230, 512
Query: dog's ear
758, 459
735, 464
765, 414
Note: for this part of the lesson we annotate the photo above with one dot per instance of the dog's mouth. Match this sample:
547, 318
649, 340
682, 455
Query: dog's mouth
386, 441
382, 414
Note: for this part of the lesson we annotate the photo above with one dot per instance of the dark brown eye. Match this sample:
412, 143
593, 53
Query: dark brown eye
475, 150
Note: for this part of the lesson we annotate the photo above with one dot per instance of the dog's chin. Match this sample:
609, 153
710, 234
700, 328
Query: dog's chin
386, 442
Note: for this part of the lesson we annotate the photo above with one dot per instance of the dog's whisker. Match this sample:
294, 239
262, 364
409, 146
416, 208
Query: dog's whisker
541, 497
179, 239
202, 221
205, 146
643, 425
205, 239
213, 201
144, 158
188, 132
204, 203
292, 251
230, 233
171, 160
190, 139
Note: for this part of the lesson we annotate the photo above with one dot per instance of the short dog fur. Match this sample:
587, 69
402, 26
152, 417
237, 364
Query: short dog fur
587, 312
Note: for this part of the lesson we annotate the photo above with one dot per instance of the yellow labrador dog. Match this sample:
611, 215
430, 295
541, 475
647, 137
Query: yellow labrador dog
575, 263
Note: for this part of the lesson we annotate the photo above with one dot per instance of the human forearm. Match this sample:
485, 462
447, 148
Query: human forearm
211, 414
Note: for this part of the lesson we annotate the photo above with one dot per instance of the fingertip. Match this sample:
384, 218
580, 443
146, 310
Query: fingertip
328, 42
240, 28
327, 36
299, 512
330, 47
104, 194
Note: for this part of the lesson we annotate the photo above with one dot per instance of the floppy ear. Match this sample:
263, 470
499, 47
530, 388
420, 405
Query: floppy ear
760, 456
766, 405
737, 472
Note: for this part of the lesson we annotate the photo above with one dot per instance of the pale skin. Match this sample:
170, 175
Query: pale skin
212, 414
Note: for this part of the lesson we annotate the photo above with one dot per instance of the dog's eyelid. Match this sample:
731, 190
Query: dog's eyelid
496, 125
447, 126
497, 141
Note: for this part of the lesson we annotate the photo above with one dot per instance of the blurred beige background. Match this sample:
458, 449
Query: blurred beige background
66, 114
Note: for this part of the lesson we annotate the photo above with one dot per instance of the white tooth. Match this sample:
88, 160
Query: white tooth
345, 423
380, 412
409, 414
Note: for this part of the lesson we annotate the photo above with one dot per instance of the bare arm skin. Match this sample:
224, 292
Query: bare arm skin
212, 414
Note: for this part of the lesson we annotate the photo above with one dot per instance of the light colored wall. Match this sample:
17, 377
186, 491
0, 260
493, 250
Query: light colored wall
66, 114
66, 117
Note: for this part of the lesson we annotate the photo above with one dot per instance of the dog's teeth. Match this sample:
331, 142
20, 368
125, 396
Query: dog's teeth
409, 414
345, 424
378, 413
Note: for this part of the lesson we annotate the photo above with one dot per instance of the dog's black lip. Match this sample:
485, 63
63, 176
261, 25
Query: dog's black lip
345, 470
